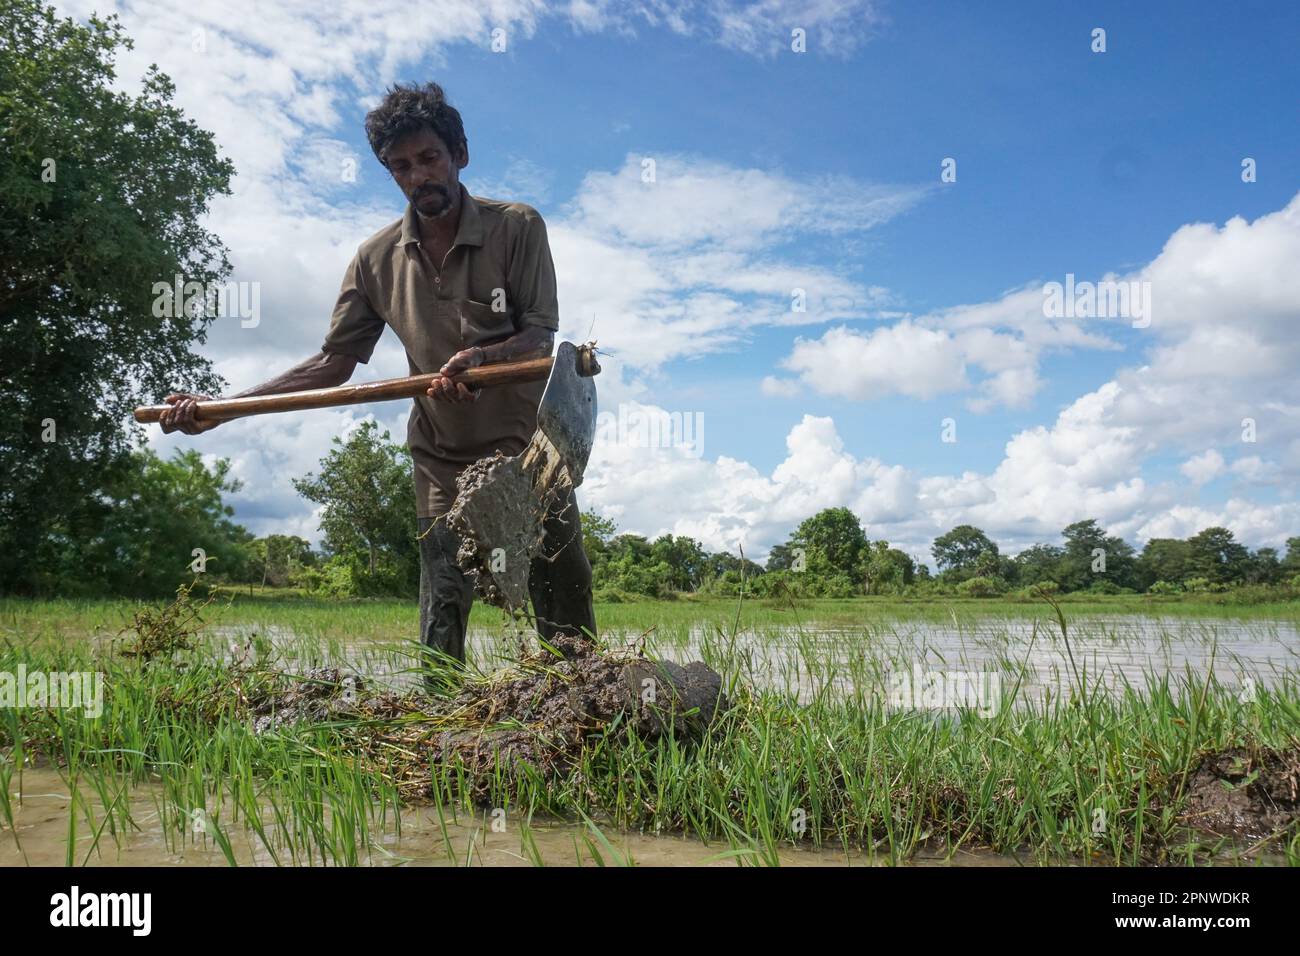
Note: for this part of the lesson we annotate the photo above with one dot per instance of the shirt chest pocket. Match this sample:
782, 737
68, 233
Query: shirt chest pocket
479, 323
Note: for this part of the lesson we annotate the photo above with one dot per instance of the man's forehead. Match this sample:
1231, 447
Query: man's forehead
412, 144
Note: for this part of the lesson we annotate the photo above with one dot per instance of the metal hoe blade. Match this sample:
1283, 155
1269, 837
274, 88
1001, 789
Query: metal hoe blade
567, 413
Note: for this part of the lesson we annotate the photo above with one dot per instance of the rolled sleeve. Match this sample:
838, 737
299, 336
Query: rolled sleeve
532, 276
355, 326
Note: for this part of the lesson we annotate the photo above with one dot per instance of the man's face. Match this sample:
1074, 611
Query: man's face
426, 171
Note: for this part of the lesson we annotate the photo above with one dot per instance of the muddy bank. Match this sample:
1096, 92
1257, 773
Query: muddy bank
1245, 793
530, 720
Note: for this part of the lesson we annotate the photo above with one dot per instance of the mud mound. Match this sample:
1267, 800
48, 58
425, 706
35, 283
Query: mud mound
532, 719
319, 695
542, 716
1245, 793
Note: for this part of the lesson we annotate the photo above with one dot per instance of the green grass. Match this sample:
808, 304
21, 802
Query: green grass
814, 758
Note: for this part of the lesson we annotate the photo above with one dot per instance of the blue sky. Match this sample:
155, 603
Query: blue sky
820, 168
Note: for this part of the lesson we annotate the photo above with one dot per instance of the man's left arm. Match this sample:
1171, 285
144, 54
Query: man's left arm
530, 281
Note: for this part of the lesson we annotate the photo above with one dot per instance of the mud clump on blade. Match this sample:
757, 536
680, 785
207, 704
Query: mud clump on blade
499, 521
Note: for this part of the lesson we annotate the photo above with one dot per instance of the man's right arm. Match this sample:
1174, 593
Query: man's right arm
322, 370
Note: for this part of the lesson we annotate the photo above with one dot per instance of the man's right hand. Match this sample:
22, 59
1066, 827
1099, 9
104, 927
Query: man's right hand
180, 417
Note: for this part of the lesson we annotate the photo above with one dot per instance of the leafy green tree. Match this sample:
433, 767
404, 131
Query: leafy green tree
989, 564
1088, 549
163, 523
958, 553
102, 195
722, 562
686, 559
1291, 563
278, 558
886, 570
1165, 559
780, 558
1263, 567
1216, 555
368, 499
833, 542
596, 532
1039, 563
630, 547
628, 567
726, 574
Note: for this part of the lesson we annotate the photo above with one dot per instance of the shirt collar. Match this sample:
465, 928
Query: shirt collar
468, 233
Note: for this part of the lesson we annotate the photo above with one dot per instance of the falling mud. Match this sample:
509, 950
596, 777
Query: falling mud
499, 513
499, 520
531, 720
1245, 793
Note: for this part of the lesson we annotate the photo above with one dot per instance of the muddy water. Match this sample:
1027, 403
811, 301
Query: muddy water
1115, 652
41, 828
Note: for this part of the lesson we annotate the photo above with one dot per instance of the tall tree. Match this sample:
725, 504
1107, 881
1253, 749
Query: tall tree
1291, 563
101, 196
368, 498
722, 562
276, 558
886, 570
1263, 567
685, 556
596, 533
833, 542
780, 558
1092, 556
1165, 559
164, 522
958, 553
1216, 554
1039, 563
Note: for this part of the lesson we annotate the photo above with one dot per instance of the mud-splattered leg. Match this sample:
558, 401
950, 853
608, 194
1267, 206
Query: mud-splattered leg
446, 594
559, 581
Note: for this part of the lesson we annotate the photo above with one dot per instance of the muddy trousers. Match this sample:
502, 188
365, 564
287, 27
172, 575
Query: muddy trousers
559, 583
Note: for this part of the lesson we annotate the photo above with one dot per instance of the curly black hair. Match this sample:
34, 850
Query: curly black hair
409, 109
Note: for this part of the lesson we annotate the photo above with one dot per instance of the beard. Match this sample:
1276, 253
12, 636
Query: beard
432, 201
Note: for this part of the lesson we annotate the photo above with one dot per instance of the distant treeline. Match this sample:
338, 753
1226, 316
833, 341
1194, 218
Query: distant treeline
160, 522
829, 555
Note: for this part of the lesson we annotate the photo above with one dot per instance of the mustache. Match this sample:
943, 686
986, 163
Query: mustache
430, 190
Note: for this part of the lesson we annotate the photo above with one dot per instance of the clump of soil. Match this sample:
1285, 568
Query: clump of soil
321, 694
500, 513
1245, 793
499, 520
533, 719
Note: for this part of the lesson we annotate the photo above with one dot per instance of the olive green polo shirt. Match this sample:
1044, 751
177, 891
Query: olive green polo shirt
497, 278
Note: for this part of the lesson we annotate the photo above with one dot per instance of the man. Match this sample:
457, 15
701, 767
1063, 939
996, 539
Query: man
463, 281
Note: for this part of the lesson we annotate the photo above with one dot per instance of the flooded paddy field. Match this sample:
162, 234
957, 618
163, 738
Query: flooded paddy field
911, 738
